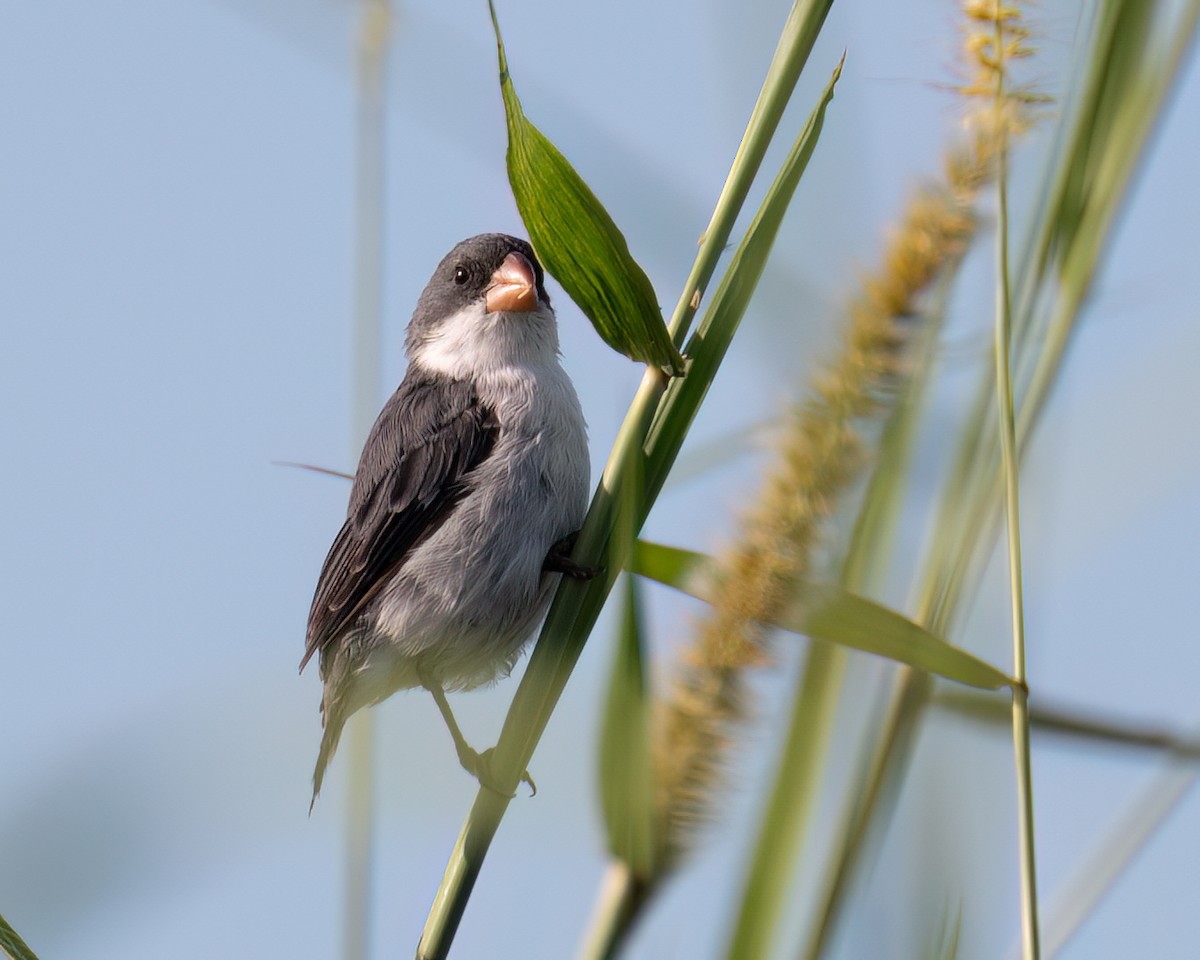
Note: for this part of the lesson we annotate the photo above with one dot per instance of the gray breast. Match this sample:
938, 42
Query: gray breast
467, 599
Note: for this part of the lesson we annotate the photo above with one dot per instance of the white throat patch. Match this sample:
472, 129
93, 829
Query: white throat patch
473, 342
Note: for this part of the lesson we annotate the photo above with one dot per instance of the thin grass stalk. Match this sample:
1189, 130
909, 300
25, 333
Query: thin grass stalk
368, 324
576, 605
791, 802
875, 791
1070, 242
794, 789
1106, 138
1008, 444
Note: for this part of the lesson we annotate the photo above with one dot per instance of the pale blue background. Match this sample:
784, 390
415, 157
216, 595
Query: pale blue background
176, 276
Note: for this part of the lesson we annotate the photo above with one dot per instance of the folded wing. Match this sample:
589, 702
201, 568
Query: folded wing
415, 467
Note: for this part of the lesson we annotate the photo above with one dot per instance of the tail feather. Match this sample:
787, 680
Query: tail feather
334, 720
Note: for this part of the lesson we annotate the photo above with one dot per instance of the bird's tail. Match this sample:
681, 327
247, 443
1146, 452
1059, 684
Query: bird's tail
334, 717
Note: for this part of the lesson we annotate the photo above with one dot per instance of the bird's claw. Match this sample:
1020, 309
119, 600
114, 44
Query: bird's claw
479, 765
558, 560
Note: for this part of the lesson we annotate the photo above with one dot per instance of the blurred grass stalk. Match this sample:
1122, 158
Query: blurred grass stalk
659, 418
1008, 43
371, 173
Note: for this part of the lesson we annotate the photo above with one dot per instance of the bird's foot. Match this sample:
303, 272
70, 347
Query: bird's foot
558, 560
479, 765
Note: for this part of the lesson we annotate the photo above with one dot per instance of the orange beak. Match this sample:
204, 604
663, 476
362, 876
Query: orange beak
513, 288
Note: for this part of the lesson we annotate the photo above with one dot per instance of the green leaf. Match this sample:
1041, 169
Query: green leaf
826, 611
626, 769
578, 242
12, 945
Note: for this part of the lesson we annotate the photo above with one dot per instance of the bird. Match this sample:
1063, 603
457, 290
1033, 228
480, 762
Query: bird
469, 492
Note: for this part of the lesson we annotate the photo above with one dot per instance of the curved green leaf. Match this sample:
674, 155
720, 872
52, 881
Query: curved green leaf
827, 611
578, 242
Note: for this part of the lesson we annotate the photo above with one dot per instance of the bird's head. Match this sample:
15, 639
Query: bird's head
485, 306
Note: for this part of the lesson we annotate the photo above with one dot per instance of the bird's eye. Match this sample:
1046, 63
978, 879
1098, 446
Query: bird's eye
460, 275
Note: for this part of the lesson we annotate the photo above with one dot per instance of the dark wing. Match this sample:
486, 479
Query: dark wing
429, 437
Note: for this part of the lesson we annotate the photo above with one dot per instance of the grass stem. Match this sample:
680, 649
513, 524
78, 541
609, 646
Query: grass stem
370, 180
1011, 467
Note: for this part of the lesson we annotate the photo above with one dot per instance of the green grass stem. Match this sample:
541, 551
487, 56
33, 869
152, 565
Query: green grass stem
1030, 936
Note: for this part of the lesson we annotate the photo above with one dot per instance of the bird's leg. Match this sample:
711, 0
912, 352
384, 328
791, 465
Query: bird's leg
475, 763
558, 560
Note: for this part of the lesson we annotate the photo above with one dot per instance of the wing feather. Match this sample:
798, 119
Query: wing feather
414, 468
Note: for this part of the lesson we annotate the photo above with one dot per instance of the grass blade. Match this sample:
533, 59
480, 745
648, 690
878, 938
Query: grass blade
792, 800
577, 241
830, 612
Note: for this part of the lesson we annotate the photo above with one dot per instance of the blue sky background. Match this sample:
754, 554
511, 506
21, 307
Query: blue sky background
176, 275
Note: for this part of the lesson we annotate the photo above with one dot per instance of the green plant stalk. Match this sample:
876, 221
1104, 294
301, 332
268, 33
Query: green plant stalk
622, 896
911, 688
575, 608
874, 791
791, 803
1108, 140
626, 765
577, 605
1008, 448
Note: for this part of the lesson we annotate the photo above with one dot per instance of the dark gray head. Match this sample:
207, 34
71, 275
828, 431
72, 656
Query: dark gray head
481, 271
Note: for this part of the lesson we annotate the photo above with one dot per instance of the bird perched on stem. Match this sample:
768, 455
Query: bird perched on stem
468, 494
